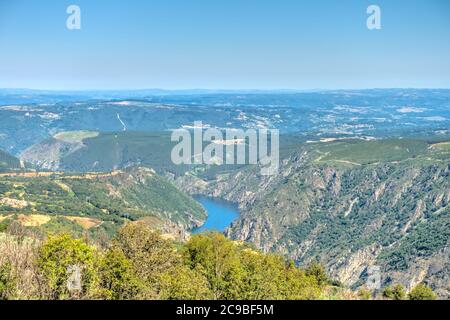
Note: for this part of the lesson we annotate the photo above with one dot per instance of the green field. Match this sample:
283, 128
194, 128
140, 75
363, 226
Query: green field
75, 136
371, 152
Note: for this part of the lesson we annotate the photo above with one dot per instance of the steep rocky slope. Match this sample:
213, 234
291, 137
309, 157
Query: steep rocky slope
388, 206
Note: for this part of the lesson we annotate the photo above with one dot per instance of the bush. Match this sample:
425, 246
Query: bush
299, 286
182, 283
56, 255
7, 282
422, 292
140, 264
234, 271
218, 259
316, 270
396, 292
149, 254
364, 294
117, 278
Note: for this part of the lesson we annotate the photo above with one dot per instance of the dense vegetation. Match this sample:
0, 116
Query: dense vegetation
101, 203
140, 264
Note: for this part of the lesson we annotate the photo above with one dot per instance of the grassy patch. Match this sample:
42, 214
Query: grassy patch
75, 136
367, 152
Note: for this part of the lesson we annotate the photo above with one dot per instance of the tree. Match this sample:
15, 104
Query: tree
300, 286
55, 258
149, 254
117, 279
422, 292
317, 270
218, 259
396, 292
182, 283
265, 276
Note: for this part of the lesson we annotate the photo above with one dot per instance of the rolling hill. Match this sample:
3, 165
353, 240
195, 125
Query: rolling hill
96, 202
8, 162
84, 151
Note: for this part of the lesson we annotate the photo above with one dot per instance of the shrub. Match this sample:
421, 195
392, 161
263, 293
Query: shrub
117, 279
396, 292
182, 283
7, 282
234, 271
56, 255
316, 270
218, 259
422, 292
149, 254
364, 294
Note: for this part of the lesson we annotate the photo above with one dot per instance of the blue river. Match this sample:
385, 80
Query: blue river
220, 215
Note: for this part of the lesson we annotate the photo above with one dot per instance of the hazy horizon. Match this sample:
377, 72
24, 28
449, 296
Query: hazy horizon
278, 90
294, 45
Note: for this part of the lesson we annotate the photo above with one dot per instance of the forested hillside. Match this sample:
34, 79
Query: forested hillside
8, 162
88, 151
96, 203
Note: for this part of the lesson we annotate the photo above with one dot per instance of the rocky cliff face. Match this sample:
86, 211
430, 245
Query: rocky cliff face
49, 153
395, 215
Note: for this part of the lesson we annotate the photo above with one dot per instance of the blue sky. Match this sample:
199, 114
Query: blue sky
224, 44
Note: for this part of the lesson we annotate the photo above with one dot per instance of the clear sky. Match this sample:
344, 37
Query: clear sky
224, 44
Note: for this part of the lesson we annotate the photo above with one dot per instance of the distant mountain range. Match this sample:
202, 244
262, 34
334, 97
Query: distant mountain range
28, 118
